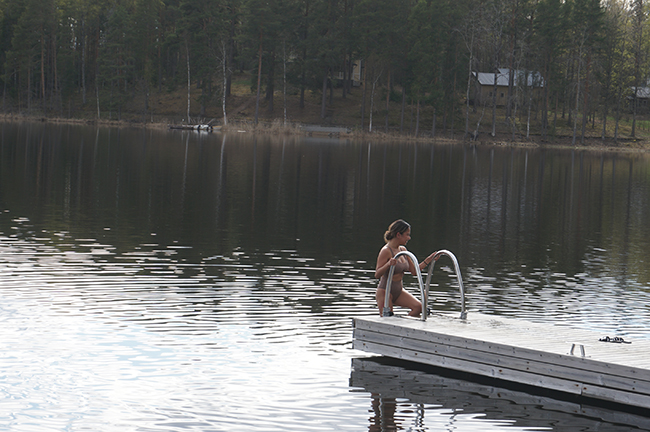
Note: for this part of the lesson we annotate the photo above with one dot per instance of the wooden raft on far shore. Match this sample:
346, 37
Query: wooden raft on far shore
547, 356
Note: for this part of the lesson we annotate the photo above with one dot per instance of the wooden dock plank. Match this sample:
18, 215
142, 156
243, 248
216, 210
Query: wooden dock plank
516, 350
475, 368
504, 341
512, 361
618, 396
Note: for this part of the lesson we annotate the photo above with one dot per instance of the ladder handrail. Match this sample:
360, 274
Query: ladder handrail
386, 311
463, 310
424, 288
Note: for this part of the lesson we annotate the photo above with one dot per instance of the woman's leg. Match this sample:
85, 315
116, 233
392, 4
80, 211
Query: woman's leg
380, 295
406, 299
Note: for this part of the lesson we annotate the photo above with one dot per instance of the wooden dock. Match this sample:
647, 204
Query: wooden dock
548, 356
325, 130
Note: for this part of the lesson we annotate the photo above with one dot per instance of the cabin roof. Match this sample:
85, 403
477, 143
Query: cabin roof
532, 78
642, 92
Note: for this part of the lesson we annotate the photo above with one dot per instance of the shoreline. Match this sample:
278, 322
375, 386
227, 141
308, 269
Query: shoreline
276, 127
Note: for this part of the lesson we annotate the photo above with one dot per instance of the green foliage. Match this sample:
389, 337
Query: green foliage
51, 50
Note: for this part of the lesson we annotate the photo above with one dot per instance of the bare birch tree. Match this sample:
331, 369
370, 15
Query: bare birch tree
470, 30
189, 82
372, 96
637, 35
224, 83
495, 15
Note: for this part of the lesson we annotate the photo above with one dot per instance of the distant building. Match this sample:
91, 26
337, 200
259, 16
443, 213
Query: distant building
642, 99
358, 73
484, 85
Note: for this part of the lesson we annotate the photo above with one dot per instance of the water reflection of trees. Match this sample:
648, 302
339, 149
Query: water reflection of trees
497, 208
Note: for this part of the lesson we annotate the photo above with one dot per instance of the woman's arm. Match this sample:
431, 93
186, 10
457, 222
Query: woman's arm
410, 261
433, 257
384, 261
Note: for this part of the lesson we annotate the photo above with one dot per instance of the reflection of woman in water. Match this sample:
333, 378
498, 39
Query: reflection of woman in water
383, 419
398, 234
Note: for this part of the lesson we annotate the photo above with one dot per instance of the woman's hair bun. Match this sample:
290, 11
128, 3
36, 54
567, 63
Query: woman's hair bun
400, 226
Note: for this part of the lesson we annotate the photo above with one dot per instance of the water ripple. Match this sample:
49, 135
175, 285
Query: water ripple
141, 341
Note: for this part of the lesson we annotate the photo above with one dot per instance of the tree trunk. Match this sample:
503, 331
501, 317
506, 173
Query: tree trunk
637, 34
224, 88
605, 112
303, 36
433, 124
345, 75
453, 100
203, 98
284, 83
303, 80
187, 49
577, 105
160, 62
363, 105
618, 113
387, 102
331, 88
259, 81
372, 100
302, 90
467, 95
270, 83
42, 68
511, 72
231, 57
83, 64
323, 102
634, 111
511, 87
401, 118
545, 101
350, 75
99, 116
530, 103
29, 88
494, 102
411, 118
417, 120
585, 99
55, 87
557, 108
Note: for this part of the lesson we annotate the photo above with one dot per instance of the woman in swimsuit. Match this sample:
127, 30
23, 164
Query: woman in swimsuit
398, 234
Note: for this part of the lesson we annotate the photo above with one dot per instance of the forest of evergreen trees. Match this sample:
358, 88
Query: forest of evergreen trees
591, 55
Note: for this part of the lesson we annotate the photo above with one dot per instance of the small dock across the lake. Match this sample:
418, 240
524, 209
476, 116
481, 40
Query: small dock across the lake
325, 130
549, 356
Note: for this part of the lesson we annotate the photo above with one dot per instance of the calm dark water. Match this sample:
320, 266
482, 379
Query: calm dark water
173, 281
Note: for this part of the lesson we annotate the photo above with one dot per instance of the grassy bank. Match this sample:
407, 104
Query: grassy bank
163, 108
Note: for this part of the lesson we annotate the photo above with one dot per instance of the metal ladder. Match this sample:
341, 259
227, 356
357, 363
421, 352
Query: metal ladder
424, 287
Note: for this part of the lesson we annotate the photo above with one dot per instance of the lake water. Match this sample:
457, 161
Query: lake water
180, 281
